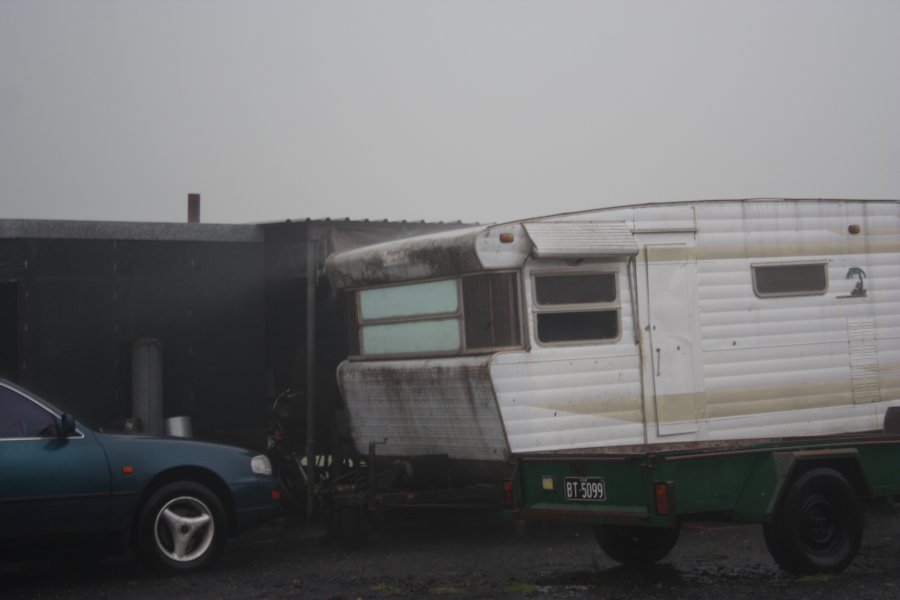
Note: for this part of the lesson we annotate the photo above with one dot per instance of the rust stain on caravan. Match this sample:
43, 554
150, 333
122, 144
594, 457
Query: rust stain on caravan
420, 258
444, 407
430, 261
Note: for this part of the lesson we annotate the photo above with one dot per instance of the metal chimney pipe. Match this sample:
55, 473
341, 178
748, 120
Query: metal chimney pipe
193, 208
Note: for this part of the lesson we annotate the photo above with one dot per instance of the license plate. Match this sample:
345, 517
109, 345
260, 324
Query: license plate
585, 489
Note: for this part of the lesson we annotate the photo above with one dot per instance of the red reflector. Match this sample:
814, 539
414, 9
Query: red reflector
276, 495
662, 498
128, 470
507, 494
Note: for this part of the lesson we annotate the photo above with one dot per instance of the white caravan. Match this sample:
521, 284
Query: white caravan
681, 323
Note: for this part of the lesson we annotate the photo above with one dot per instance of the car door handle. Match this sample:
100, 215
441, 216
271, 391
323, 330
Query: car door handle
658, 360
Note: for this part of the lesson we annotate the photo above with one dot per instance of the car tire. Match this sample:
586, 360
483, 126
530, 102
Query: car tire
182, 527
635, 545
819, 527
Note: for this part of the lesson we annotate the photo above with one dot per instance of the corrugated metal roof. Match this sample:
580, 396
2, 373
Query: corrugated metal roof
114, 230
568, 239
212, 232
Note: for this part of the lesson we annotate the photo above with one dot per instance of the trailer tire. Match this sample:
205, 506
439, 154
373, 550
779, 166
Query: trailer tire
636, 545
819, 526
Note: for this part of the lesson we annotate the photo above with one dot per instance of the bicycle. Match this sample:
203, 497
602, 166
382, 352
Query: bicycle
287, 463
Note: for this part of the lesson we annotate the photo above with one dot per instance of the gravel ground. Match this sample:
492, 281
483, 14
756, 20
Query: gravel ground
472, 556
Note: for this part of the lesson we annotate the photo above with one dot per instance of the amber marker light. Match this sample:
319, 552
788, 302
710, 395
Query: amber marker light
547, 483
507, 238
127, 470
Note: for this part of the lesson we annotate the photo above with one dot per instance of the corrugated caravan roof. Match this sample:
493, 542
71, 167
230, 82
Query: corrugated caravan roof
568, 239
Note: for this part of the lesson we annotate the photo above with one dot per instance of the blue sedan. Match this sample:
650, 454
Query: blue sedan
67, 489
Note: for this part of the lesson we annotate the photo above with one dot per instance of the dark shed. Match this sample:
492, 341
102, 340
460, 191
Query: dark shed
227, 302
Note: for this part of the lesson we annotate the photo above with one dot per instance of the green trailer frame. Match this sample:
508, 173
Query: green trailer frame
808, 493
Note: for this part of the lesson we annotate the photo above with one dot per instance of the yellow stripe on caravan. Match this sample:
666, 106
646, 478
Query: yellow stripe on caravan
863, 246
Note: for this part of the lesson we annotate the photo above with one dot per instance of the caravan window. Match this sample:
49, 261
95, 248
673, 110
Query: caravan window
410, 319
416, 300
468, 315
580, 326
491, 311
576, 308
575, 289
790, 280
416, 337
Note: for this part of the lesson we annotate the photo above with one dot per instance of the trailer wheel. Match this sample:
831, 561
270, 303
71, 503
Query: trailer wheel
635, 545
819, 527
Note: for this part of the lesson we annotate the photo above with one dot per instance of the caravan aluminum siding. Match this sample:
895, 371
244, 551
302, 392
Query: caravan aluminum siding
726, 363
698, 355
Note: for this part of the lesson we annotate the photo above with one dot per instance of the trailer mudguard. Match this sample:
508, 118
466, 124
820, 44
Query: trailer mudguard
767, 484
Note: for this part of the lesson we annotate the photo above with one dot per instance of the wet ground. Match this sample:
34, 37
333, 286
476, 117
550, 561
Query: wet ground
473, 556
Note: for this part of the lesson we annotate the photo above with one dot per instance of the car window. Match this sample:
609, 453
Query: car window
22, 418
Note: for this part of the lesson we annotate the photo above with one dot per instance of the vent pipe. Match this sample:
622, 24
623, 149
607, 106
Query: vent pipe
146, 384
193, 208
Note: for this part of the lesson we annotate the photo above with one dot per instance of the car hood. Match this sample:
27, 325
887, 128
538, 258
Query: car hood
174, 443
152, 454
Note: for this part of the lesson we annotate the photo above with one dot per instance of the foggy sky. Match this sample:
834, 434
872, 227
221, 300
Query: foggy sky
438, 110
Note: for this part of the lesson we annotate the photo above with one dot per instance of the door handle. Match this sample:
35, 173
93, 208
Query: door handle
658, 360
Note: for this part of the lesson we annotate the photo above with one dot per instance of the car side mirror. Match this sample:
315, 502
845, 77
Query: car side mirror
66, 426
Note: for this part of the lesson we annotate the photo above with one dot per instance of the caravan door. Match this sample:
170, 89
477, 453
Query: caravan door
674, 337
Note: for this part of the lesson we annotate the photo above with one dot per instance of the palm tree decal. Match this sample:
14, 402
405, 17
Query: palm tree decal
859, 291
